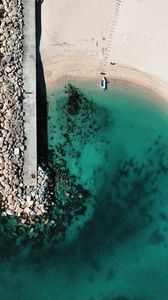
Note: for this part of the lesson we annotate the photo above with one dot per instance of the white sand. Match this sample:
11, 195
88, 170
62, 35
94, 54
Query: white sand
80, 39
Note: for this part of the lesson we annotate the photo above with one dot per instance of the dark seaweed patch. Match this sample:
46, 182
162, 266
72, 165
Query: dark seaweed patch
110, 275
163, 216
157, 238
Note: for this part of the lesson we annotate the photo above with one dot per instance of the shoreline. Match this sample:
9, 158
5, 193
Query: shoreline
119, 75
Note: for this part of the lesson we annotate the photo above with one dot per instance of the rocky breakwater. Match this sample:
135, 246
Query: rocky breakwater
15, 199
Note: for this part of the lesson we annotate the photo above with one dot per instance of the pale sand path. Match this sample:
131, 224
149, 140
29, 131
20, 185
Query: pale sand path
81, 38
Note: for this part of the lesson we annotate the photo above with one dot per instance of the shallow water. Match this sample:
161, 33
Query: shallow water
117, 250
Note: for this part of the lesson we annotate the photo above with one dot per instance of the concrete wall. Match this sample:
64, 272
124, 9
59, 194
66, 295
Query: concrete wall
29, 107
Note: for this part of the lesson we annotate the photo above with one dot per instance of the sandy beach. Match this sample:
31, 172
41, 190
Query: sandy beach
80, 40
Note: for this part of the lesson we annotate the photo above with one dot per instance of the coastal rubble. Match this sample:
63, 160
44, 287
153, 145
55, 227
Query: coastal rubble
43, 212
16, 199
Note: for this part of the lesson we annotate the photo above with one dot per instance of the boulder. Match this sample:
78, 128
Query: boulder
27, 210
9, 212
16, 151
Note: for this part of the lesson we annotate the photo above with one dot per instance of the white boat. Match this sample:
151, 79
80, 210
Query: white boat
103, 83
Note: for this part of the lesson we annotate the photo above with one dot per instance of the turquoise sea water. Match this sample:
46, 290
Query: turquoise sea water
117, 249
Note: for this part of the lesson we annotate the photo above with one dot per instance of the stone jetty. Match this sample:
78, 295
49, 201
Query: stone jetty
16, 199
